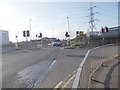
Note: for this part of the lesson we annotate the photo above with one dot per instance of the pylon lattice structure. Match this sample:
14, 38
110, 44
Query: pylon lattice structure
92, 20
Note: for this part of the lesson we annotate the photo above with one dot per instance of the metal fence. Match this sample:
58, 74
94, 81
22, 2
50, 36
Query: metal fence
92, 60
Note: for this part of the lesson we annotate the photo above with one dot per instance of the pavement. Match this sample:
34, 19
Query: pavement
107, 75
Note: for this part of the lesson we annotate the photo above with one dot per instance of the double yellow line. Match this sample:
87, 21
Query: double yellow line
61, 85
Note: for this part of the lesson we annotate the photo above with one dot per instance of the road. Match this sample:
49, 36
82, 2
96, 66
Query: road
39, 68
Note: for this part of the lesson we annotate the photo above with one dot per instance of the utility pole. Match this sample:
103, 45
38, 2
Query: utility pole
92, 19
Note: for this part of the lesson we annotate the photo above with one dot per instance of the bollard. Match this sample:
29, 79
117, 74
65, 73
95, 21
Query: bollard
16, 45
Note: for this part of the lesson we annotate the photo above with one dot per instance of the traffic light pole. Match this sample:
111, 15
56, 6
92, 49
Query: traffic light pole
16, 44
26, 39
41, 41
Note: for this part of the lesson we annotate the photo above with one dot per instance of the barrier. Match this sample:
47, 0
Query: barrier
91, 61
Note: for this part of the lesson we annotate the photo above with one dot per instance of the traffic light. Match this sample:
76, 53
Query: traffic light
66, 34
24, 35
40, 34
28, 33
16, 36
77, 32
102, 29
36, 35
106, 28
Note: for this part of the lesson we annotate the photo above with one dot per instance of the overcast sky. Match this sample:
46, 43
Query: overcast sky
50, 18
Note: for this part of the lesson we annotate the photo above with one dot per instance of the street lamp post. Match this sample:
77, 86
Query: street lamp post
68, 23
30, 27
68, 30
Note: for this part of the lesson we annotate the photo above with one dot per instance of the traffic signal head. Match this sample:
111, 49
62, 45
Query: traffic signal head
40, 34
24, 34
16, 36
28, 33
77, 32
102, 29
36, 35
66, 34
106, 28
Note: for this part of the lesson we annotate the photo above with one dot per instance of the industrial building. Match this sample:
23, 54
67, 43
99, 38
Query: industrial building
4, 37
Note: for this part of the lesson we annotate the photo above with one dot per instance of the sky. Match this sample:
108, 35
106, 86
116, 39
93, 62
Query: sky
50, 18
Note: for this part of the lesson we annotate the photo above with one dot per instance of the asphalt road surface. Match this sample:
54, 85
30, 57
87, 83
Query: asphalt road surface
39, 68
